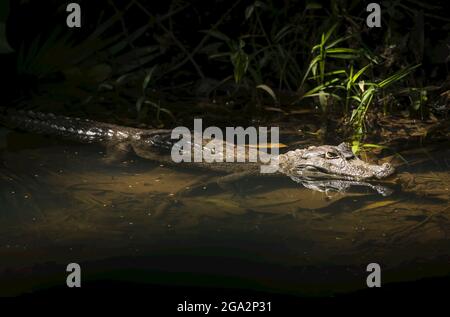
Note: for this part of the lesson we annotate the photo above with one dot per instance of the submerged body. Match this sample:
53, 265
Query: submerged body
315, 163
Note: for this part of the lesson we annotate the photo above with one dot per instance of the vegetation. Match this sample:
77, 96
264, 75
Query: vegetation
255, 56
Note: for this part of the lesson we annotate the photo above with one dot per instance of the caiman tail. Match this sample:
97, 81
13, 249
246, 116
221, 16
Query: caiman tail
76, 129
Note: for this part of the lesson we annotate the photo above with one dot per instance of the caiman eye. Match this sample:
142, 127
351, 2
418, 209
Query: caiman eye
331, 155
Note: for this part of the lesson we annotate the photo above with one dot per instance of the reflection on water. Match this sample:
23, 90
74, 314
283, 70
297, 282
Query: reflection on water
60, 203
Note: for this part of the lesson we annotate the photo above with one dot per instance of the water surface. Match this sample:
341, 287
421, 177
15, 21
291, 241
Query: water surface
59, 203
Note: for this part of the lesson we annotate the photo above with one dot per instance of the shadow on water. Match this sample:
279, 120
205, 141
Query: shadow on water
61, 204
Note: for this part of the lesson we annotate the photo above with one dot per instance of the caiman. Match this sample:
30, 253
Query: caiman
322, 168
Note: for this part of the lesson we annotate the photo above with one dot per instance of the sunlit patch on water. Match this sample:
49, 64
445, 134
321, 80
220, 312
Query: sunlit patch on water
61, 202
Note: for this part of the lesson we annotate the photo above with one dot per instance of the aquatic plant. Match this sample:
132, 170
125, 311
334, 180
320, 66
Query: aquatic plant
292, 53
358, 94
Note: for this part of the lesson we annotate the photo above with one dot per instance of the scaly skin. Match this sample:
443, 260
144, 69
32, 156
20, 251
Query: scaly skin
330, 162
76, 129
315, 163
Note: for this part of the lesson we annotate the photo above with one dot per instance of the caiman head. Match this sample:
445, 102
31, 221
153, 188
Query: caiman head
330, 162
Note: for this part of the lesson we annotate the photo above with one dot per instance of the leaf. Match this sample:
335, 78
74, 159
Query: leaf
343, 56
160, 109
336, 72
266, 145
248, 11
147, 79
354, 112
168, 112
360, 72
323, 93
320, 87
367, 95
260, 4
283, 32
240, 62
350, 79
219, 55
218, 35
377, 204
274, 109
355, 147
340, 50
326, 36
312, 64
397, 76
336, 42
313, 6
269, 91
139, 104
377, 146
122, 78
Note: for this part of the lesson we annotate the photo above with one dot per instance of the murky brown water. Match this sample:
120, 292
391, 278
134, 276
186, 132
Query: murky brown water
60, 204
